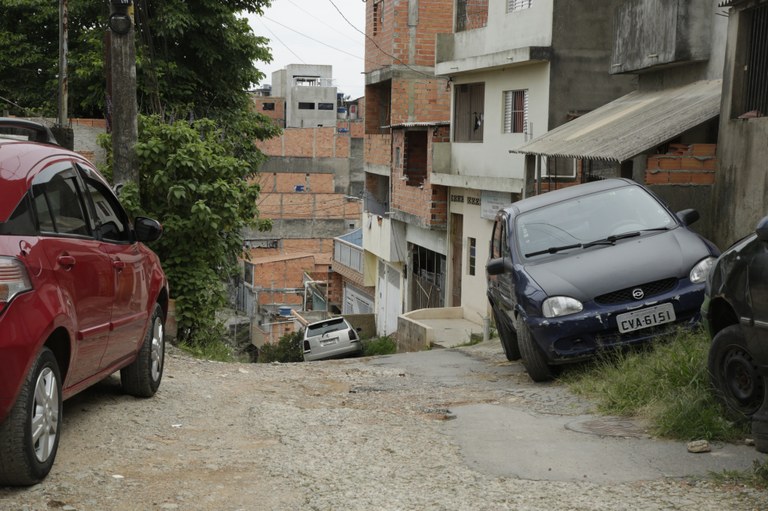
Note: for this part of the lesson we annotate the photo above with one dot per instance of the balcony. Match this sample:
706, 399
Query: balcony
348, 256
651, 34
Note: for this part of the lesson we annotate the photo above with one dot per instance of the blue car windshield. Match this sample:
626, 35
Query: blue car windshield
591, 220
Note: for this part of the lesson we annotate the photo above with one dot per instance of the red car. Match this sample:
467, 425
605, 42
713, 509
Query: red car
81, 297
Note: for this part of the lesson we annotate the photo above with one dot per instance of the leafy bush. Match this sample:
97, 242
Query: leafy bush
196, 178
287, 349
379, 346
668, 385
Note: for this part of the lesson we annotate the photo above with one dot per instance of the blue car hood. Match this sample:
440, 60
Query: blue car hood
584, 274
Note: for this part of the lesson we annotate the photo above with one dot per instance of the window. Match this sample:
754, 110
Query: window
59, 206
516, 111
21, 222
326, 106
754, 96
469, 112
415, 161
111, 221
472, 255
306, 106
267, 106
517, 5
378, 16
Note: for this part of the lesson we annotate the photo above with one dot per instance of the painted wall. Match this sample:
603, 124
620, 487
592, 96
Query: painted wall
491, 158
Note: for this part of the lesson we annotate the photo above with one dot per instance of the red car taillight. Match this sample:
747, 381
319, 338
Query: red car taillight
13, 279
352, 334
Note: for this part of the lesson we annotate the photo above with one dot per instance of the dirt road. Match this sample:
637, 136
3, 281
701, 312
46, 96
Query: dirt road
356, 434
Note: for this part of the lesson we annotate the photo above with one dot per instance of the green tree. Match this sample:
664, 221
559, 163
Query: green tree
195, 58
197, 179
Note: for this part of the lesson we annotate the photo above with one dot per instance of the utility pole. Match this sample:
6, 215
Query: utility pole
123, 93
62, 131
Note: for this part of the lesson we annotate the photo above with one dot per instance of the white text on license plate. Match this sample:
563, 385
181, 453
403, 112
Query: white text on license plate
646, 318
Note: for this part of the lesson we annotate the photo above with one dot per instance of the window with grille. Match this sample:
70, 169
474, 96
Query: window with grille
472, 255
516, 5
516, 111
378, 16
754, 97
469, 112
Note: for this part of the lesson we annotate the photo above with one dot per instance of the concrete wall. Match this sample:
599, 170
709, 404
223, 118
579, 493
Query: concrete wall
491, 158
504, 31
741, 184
656, 33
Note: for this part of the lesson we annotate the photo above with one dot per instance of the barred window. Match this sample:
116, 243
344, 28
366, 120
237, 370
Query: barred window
755, 95
516, 111
516, 5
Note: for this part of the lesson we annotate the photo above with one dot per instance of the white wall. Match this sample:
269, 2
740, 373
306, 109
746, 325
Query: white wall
491, 158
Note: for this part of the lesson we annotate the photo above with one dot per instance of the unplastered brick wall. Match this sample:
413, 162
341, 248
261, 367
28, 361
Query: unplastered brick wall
693, 164
291, 206
428, 202
290, 182
388, 31
271, 107
322, 142
378, 149
420, 100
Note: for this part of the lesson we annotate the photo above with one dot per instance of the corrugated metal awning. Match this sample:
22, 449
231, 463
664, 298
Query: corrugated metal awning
424, 124
631, 124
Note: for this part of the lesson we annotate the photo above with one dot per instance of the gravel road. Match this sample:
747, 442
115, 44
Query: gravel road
353, 434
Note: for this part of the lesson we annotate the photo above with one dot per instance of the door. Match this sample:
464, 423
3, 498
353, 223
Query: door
84, 273
388, 306
130, 308
457, 255
501, 287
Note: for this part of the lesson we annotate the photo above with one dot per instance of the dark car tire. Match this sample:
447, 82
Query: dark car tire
24, 459
507, 335
142, 377
734, 374
532, 357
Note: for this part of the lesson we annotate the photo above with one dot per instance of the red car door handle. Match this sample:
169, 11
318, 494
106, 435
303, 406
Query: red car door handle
66, 260
118, 265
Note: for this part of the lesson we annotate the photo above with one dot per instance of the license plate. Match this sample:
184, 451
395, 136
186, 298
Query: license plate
329, 342
646, 318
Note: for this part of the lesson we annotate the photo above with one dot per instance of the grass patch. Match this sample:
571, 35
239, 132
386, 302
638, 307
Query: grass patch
218, 351
379, 346
757, 477
667, 385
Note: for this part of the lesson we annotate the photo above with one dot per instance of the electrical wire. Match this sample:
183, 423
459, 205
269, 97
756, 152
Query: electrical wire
313, 16
313, 39
395, 59
281, 42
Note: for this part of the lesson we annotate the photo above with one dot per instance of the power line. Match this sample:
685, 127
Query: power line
313, 39
281, 42
323, 22
395, 59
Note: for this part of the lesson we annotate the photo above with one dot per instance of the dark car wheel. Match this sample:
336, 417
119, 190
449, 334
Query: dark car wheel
142, 377
507, 335
734, 374
533, 359
29, 436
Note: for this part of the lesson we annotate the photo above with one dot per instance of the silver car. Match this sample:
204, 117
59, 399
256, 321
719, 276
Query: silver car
331, 338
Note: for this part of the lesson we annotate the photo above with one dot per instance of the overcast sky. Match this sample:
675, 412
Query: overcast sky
315, 32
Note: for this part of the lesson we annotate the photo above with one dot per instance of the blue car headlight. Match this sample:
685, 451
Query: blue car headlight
700, 272
560, 306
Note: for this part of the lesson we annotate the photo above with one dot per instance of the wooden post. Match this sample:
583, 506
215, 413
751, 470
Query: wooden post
124, 107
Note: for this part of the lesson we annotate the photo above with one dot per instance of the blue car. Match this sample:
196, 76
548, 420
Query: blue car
598, 265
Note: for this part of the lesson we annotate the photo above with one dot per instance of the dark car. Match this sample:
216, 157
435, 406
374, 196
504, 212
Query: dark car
596, 265
735, 312
81, 297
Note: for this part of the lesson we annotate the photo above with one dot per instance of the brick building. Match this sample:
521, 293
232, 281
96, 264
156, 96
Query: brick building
311, 188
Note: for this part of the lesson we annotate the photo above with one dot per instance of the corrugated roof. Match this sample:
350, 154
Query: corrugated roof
631, 124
